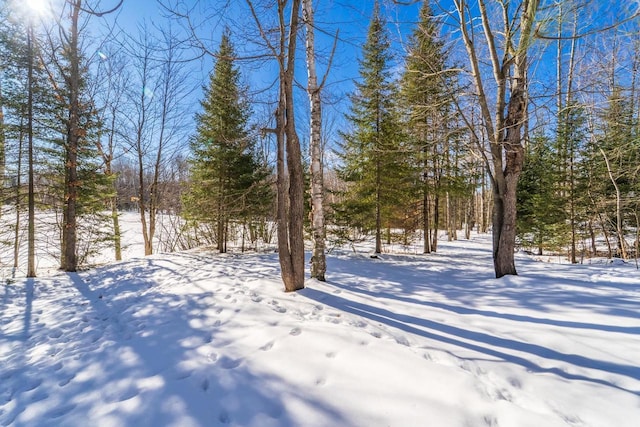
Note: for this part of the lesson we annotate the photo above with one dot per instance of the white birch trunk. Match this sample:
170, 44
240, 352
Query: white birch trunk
318, 259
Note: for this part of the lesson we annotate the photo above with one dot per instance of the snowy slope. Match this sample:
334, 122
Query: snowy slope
200, 339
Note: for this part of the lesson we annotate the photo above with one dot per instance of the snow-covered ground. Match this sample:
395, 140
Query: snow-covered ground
201, 339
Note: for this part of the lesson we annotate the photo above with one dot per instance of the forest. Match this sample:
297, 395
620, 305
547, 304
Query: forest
236, 125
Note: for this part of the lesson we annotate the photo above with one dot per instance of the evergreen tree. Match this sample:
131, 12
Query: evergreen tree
431, 137
570, 139
616, 158
372, 162
541, 214
229, 182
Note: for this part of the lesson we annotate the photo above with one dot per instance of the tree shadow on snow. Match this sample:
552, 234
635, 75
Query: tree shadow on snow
480, 342
224, 390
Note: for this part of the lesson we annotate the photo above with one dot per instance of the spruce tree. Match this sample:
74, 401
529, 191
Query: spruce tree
541, 214
228, 180
616, 162
427, 105
372, 163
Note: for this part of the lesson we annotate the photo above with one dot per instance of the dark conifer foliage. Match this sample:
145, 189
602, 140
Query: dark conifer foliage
228, 181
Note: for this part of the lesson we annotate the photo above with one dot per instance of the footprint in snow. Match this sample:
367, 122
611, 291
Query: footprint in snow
183, 374
229, 363
491, 421
56, 333
224, 417
61, 410
403, 341
295, 332
66, 380
6, 375
124, 395
31, 384
277, 307
38, 396
268, 346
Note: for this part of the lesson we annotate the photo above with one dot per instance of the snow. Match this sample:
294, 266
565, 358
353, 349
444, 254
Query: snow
202, 339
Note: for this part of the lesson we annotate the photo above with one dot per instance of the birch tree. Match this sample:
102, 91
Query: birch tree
318, 258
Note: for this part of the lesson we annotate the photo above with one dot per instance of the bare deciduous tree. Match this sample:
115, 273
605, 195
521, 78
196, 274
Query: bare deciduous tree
290, 177
504, 124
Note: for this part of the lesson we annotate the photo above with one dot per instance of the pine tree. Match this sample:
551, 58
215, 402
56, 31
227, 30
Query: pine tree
228, 179
372, 163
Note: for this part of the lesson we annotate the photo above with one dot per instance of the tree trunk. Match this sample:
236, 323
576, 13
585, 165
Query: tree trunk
18, 201
69, 227
504, 132
426, 226
290, 197
318, 258
622, 246
378, 213
3, 158
31, 233
504, 222
436, 220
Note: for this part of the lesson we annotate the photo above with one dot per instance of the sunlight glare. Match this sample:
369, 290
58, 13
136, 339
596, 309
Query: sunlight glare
38, 7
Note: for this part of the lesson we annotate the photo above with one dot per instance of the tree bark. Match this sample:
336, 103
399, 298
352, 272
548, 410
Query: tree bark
289, 172
69, 227
504, 130
622, 244
31, 233
318, 258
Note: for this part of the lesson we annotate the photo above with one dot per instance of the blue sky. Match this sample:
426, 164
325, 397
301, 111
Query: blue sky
348, 18
351, 19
